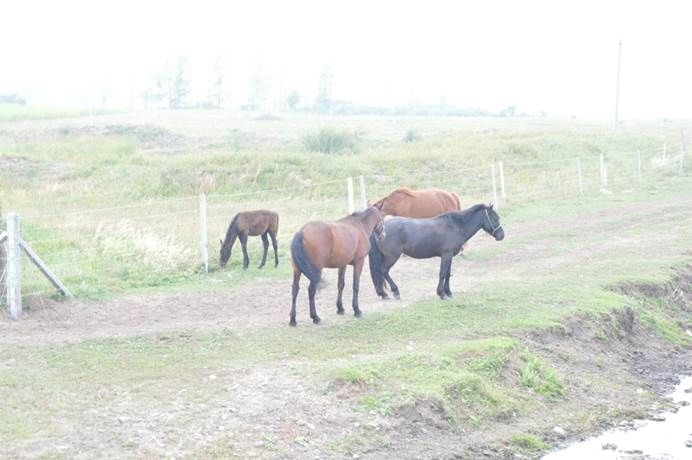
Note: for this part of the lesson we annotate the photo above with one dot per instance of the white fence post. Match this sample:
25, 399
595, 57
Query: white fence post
351, 205
602, 170
502, 181
579, 177
639, 166
494, 184
605, 175
682, 157
203, 231
14, 269
363, 198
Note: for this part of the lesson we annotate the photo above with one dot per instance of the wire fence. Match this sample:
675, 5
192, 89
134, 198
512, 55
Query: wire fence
115, 248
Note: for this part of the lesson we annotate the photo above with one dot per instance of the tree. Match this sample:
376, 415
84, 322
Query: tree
178, 84
258, 90
323, 101
216, 95
293, 100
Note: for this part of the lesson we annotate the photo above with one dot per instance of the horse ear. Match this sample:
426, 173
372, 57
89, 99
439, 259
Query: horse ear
378, 205
490, 206
369, 203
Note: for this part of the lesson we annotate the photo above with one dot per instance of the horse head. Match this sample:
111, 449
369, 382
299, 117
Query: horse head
224, 253
491, 222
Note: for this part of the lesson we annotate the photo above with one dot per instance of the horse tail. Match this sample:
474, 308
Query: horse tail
456, 199
301, 259
376, 260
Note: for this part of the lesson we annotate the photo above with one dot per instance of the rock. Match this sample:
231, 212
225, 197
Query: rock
356, 424
212, 377
688, 443
259, 444
310, 426
224, 416
684, 403
688, 390
560, 432
640, 391
657, 418
609, 446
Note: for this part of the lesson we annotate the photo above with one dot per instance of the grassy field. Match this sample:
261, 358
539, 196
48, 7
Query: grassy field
541, 332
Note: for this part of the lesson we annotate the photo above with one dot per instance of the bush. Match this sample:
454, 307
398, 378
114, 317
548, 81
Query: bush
411, 136
331, 140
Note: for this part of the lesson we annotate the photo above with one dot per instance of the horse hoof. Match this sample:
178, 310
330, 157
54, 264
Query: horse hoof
316, 320
292, 323
357, 314
340, 311
396, 296
244, 267
384, 296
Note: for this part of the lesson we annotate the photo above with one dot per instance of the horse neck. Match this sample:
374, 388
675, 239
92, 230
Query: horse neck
473, 224
231, 234
368, 221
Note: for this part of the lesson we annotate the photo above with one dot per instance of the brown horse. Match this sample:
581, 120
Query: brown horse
419, 204
336, 244
251, 223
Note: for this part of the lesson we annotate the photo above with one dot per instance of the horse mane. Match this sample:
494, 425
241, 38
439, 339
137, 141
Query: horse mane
463, 216
404, 190
231, 226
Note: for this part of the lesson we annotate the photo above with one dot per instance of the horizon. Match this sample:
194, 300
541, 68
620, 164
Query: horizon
557, 59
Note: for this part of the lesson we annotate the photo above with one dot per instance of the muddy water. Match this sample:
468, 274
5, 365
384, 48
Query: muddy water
648, 439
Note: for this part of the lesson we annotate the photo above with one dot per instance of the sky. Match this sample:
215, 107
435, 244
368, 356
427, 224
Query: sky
553, 56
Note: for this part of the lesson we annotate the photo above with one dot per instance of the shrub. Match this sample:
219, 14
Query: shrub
412, 136
331, 140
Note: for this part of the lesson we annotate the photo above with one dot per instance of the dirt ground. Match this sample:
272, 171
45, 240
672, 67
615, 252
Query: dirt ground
272, 411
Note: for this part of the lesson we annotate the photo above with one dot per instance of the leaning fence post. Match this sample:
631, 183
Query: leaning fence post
363, 199
639, 166
351, 205
14, 269
579, 177
602, 170
494, 184
203, 231
502, 181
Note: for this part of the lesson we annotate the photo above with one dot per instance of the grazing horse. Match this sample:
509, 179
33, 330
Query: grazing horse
404, 202
319, 245
251, 223
441, 236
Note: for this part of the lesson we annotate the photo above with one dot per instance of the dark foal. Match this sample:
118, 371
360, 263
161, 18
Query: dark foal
442, 236
251, 223
336, 244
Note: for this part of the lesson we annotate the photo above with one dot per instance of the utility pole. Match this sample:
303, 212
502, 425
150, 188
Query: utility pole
617, 87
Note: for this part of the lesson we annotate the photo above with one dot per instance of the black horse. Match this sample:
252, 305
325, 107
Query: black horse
440, 236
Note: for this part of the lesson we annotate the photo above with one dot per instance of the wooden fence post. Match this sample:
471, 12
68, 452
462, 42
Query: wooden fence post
502, 181
602, 168
14, 269
639, 166
363, 198
494, 184
203, 231
579, 177
351, 204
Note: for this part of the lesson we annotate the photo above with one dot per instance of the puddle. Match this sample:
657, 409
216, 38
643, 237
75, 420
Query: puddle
648, 439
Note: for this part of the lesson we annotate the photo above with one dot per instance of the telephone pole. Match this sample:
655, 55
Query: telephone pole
617, 86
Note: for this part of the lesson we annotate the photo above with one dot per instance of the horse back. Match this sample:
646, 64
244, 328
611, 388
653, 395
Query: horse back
257, 222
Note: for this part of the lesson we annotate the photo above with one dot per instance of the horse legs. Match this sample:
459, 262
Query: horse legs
388, 264
294, 293
341, 284
243, 242
312, 289
357, 269
265, 243
275, 246
445, 268
448, 291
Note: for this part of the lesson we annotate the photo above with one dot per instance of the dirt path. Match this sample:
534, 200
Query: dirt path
266, 302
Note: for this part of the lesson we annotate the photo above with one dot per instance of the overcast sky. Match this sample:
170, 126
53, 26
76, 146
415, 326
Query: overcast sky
556, 56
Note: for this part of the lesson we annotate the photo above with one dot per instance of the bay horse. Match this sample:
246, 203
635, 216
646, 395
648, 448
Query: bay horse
404, 202
442, 236
319, 245
251, 223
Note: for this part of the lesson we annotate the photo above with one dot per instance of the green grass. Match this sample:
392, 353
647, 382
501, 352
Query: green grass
529, 442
